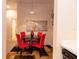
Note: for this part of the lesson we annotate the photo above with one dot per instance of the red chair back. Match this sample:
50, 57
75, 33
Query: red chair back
39, 34
19, 41
42, 39
23, 34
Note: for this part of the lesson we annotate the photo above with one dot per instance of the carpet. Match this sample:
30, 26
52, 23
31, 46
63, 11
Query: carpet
15, 49
41, 51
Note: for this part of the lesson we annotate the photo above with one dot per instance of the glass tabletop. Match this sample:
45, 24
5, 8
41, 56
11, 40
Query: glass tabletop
29, 37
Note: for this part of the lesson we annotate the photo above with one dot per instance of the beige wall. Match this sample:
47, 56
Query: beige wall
50, 33
65, 24
22, 16
10, 30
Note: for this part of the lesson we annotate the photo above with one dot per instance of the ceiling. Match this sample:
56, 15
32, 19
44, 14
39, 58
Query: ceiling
36, 1
42, 9
13, 3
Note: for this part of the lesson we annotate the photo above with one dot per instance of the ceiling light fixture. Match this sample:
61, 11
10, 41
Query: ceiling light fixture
32, 12
8, 6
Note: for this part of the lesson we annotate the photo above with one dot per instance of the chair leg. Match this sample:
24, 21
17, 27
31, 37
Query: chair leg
17, 50
25, 50
31, 50
21, 53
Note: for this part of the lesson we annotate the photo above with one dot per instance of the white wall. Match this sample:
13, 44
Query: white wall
64, 24
67, 19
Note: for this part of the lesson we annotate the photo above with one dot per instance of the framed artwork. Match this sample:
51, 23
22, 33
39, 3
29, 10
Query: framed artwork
36, 25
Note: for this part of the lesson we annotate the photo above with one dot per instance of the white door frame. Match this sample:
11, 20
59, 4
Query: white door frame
4, 21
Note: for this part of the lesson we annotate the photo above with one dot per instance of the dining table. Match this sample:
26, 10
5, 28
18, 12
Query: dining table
35, 38
31, 39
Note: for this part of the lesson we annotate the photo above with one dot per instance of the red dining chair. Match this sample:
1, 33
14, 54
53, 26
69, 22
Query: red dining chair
23, 34
21, 44
27, 42
41, 43
39, 34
